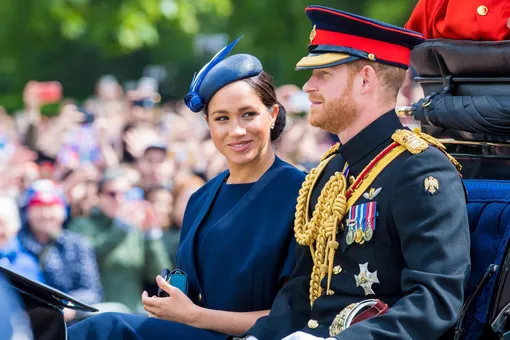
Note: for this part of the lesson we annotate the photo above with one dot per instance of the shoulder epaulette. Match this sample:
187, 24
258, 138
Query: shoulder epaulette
411, 141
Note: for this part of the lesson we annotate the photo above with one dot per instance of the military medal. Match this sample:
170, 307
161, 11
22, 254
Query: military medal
351, 225
361, 223
349, 238
365, 279
370, 226
369, 233
358, 235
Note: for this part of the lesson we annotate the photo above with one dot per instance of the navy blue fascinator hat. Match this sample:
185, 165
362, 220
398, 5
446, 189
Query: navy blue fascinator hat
218, 73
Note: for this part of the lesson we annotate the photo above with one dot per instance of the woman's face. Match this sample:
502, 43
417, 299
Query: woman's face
240, 124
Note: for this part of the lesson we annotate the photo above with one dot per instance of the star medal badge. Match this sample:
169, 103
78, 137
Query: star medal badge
365, 279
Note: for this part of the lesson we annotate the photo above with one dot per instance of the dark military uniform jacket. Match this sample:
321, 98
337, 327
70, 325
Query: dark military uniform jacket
417, 261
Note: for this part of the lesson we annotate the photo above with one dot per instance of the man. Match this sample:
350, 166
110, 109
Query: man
155, 167
66, 259
383, 218
127, 242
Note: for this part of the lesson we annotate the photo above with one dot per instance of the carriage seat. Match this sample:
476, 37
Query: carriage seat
489, 220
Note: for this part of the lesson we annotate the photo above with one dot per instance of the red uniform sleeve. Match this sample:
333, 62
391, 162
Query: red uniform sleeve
481, 20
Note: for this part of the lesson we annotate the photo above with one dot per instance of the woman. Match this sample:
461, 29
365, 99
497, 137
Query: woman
237, 244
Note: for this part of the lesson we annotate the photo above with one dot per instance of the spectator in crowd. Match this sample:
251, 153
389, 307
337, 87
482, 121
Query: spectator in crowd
155, 167
66, 258
12, 254
127, 240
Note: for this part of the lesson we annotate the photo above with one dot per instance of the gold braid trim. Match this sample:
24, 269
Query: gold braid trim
320, 230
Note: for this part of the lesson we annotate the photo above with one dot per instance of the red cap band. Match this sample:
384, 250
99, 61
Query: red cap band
380, 49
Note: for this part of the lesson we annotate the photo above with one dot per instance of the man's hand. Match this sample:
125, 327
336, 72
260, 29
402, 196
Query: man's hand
304, 336
138, 139
138, 214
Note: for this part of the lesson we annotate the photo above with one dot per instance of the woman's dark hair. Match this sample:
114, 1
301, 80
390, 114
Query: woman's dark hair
263, 86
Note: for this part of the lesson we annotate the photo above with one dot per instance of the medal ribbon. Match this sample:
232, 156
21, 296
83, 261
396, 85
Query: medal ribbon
359, 223
362, 216
372, 208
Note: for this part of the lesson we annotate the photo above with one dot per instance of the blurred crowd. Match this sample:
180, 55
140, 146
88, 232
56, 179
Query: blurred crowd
92, 199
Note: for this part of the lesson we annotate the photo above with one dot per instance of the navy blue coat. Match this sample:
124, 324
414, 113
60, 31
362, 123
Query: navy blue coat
252, 248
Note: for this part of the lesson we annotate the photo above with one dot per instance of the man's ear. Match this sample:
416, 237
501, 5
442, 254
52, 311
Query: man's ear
369, 78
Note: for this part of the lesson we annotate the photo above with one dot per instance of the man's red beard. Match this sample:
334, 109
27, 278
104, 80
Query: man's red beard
337, 114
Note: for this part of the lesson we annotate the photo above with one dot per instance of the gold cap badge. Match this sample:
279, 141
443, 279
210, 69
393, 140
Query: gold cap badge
313, 33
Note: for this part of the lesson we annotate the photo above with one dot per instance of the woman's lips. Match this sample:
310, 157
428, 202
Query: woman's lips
240, 146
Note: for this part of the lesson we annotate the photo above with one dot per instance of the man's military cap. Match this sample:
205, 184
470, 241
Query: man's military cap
339, 37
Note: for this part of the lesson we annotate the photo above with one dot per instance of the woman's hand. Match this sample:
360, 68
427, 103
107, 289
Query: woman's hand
177, 307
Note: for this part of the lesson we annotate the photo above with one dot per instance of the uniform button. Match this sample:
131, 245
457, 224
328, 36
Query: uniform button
313, 324
337, 270
351, 179
330, 292
199, 297
482, 10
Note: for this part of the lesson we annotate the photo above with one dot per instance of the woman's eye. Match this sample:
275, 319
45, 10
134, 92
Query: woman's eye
221, 119
249, 114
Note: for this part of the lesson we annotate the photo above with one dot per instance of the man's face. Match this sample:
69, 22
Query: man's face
331, 92
113, 195
155, 167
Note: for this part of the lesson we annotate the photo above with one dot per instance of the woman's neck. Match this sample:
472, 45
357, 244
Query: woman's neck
251, 172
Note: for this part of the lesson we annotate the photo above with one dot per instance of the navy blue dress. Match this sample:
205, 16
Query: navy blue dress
237, 246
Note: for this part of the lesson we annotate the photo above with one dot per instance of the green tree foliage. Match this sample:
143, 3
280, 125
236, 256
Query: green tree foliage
76, 41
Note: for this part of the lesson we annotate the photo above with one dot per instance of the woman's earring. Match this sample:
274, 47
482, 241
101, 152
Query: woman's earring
272, 126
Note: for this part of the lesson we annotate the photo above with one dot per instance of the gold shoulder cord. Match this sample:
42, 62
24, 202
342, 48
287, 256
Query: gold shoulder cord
434, 142
319, 232
329, 211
